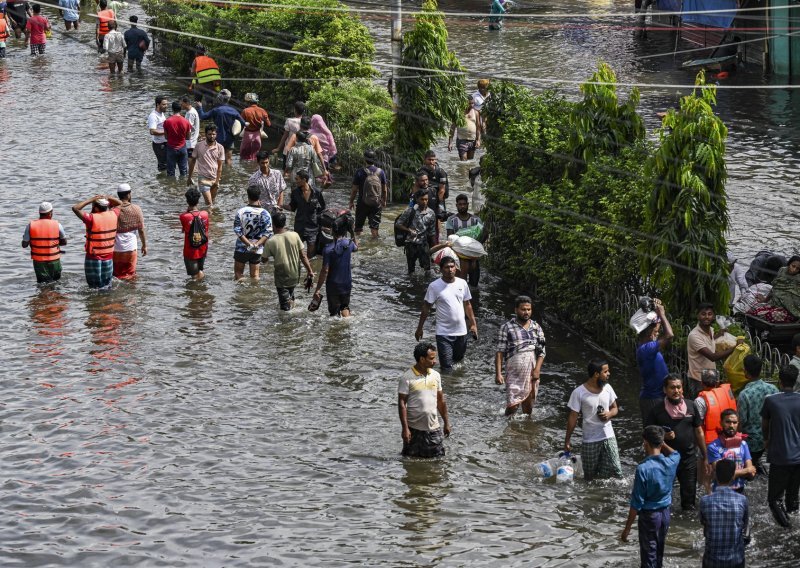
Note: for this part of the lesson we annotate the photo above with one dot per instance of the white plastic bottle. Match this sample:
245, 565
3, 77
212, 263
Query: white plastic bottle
564, 473
547, 468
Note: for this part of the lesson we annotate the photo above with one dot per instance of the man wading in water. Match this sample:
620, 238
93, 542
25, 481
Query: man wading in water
521, 345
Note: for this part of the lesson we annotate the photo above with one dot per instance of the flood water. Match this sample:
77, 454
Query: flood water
169, 423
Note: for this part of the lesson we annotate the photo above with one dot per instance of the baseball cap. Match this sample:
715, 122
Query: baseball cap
45, 207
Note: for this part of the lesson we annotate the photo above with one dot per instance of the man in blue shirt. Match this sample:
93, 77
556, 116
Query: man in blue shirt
652, 496
730, 445
725, 516
780, 422
650, 360
223, 115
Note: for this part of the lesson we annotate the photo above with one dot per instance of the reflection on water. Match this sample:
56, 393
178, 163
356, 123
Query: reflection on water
426, 488
48, 312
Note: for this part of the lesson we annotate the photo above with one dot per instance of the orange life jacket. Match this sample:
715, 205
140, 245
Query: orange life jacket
206, 69
44, 240
103, 17
3, 28
717, 401
101, 234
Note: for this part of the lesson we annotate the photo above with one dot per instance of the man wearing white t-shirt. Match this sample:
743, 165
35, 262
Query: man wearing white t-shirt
597, 402
194, 119
452, 297
155, 125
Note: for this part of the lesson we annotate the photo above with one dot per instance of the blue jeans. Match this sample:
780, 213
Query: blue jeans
451, 349
653, 528
180, 157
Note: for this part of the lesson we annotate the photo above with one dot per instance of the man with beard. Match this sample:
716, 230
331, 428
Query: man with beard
730, 445
521, 345
596, 401
681, 418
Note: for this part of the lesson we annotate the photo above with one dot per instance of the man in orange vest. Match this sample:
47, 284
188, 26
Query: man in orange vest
101, 232
104, 16
207, 80
45, 236
711, 402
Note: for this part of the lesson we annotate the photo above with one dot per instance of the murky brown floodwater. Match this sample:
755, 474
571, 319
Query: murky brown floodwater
165, 423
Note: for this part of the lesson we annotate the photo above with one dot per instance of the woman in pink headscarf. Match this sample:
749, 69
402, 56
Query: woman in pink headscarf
323, 133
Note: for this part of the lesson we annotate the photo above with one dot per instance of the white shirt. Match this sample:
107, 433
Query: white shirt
156, 122
194, 120
125, 242
449, 301
423, 396
586, 403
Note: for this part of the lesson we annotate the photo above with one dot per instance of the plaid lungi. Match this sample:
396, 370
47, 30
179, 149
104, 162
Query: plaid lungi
98, 272
601, 459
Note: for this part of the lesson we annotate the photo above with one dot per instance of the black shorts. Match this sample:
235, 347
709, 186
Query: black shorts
285, 298
194, 265
365, 212
337, 302
247, 257
228, 144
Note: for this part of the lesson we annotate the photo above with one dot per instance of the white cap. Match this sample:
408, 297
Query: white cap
102, 202
45, 207
124, 188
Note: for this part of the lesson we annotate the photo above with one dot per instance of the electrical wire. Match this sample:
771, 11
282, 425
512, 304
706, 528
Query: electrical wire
595, 220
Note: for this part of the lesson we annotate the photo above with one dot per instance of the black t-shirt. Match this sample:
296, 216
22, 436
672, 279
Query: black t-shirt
306, 212
684, 441
783, 412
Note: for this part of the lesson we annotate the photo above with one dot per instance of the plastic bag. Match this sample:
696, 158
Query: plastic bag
467, 247
447, 252
474, 231
724, 341
734, 367
641, 320
724, 322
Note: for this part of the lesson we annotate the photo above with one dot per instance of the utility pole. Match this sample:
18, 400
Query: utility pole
397, 47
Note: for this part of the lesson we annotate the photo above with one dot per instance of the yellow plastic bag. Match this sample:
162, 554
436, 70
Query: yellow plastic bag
734, 367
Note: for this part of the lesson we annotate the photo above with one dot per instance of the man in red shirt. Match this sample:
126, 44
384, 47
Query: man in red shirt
177, 129
36, 29
195, 243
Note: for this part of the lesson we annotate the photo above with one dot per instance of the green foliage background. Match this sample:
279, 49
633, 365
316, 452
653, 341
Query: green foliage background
332, 33
571, 210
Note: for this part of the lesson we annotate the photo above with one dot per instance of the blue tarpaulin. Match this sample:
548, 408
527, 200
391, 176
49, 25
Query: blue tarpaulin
715, 20
668, 5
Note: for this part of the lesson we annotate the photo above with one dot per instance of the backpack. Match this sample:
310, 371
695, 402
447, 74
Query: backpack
372, 188
399, 235
197, 232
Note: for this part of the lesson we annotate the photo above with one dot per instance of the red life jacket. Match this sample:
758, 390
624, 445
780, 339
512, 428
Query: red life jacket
717, 400
101, 234
103, 17
3, 28
44, 240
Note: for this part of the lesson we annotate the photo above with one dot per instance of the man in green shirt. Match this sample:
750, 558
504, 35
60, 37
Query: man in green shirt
751, 399
286, 248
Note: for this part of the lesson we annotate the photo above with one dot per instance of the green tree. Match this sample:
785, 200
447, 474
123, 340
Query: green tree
431, 97
687, 214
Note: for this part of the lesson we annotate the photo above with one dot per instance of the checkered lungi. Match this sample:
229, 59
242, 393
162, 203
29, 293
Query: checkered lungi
98, 272
601, 459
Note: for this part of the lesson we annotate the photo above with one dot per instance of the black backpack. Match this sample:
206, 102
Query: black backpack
197, 232
400, 235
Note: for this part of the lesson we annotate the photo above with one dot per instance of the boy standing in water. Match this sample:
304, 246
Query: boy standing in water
652, 496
